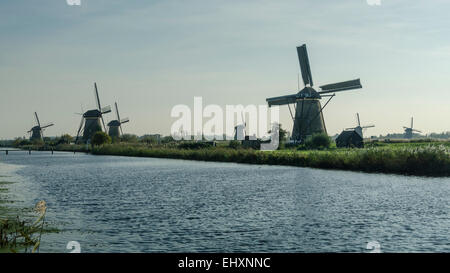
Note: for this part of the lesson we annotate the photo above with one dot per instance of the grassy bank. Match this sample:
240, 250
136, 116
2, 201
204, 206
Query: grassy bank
20, 228
406, 159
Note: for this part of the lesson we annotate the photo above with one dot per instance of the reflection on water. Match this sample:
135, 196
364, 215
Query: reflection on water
120, 204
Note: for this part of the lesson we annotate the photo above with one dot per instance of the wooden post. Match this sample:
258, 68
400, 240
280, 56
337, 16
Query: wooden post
29, 151
6, 152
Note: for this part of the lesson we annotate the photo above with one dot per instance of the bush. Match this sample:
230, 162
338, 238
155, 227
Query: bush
195, 145
100, 138
318, 141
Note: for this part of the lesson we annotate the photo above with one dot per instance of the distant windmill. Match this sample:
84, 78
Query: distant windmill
91, 120
115, 125
359, 129
37, 131
308, 117
409, 130
239, 130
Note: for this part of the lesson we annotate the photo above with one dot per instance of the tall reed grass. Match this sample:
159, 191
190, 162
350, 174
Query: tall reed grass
430, 160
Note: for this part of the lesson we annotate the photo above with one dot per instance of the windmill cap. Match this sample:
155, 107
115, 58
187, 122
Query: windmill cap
92, 114
308, 92
114, 123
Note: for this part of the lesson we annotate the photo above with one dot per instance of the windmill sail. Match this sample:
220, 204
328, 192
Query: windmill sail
37, 119
46, 125
304, 65
97, 98
106, 110
125, 120
340, 86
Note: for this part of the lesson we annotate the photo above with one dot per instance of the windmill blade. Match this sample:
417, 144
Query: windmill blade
368, 126
121, 131
340, 86
304, 65
406, 127
106, 110
103, 121
412, 120
97, 98
47, 125
357, 116
282, 100
414, 130
125, 120
117, 111
37, 119
351, 128
79, 129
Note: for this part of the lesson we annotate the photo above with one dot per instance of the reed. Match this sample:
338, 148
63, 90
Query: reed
421, 160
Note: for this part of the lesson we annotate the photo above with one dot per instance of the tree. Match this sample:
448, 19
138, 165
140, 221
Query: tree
65, 139
100, 138
130, 138
318, 141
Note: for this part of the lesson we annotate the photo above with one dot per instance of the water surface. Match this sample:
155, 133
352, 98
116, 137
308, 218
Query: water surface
121, 204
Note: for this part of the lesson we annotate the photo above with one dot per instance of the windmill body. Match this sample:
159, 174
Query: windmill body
92, 124
115, 126
92, 120
239, 132
37, 131
409, 131
308, 117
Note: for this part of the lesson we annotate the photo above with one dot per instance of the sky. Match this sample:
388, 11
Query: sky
152, 55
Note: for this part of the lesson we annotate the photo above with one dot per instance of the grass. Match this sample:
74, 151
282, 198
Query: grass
402, 158
421, 157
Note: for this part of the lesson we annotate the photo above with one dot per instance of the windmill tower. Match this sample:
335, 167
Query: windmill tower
409, 130
91, 120
37, 131
239, 130
308, 118
115, 125
359, 129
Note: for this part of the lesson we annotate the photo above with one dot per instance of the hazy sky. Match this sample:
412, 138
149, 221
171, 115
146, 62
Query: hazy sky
151, 55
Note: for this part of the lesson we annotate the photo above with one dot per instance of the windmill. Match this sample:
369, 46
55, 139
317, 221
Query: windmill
359, 129
115, 125
308, 118
409, 130
37, 131
91, 120
239, 130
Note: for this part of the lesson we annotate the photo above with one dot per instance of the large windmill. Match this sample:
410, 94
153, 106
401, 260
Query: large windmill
90, 121
308, 117
359, 129
410, 130
37, 131
115, 125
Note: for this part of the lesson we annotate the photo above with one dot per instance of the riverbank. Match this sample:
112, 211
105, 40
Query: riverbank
21, 228
422, 158
419, 160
